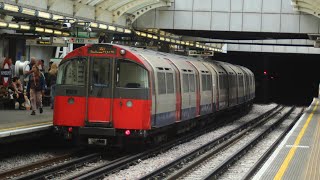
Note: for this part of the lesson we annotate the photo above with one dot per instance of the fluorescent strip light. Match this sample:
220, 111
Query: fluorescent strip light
39, 29
48, 31
103, 26
183, 43
187, 43
191, 44
178, 42
149, 35
161, 38
168, 39
44, 15
10, 7
197, 45
143, 34
154, 37
65, 34
57, 32
81, 23
94, 25
15, 26
128, 31
27, 11
3, 24
56, 17
119, 29
138, 33
25, 27
173, 41
111, 28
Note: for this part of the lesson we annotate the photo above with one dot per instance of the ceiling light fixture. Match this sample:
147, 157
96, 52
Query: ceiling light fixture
27, 11
10, 7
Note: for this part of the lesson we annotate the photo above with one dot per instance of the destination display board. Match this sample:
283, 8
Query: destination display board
200, 53
101, 49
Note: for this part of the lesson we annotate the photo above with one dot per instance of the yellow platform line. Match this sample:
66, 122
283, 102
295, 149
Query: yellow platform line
26, 126
286, 162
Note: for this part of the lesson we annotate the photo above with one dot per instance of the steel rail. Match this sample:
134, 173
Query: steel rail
163, 171
67, 165
270, 150
35, 165
112, 167
216, 172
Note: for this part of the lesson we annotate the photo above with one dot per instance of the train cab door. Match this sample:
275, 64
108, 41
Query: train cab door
99, 97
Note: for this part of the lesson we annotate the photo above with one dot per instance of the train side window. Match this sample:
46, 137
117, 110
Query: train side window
204, 82
192, 83
170, 87
101, 71
185, 83
131, 75
161, 82
209, 82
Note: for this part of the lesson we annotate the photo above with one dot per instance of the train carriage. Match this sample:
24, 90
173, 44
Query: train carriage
106, 93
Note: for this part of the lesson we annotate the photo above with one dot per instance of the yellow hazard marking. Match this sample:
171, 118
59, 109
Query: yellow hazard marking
286, 162
26, 126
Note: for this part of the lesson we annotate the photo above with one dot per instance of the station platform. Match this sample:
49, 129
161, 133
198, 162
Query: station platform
21, 123
298, 156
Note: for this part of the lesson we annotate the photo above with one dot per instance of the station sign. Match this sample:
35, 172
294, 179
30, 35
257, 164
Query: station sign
200, 53
50, 41
6, 73
83, 40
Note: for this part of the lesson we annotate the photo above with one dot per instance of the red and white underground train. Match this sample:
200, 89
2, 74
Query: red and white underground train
109, 93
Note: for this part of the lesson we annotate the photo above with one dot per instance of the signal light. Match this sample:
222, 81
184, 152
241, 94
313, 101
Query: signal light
265, 72
127, 132
70, 129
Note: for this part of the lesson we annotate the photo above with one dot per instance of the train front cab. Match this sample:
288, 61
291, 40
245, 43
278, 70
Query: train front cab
101, 96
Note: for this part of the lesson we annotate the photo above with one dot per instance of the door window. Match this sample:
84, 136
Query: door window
101, 72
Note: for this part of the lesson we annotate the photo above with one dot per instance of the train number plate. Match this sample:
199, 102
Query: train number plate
96, 141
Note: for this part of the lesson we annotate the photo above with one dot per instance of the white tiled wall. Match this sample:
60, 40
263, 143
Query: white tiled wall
232, 15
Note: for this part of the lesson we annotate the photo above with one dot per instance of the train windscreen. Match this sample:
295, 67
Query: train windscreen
72, 72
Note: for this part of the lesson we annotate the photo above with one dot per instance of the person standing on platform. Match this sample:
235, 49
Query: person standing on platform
35, 88
52, 78
33, 61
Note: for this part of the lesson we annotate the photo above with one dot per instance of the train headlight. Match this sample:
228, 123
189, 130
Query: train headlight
122, 52
71, 100
129, 104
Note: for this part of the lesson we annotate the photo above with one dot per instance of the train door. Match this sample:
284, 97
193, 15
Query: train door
100, 86
188, 95
132, 103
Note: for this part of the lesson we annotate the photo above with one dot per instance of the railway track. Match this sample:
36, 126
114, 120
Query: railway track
113, 167
117, 164
198, 159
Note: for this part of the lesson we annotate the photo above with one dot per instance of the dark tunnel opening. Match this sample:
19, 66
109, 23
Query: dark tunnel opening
289, 79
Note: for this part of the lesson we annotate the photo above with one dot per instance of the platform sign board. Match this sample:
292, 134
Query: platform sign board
6, 73
200, 53
83, 40
57, 42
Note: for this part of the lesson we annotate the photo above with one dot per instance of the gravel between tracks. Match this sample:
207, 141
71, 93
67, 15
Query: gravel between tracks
151, 164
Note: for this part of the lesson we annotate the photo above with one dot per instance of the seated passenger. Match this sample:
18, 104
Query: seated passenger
18, 92
3, 92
